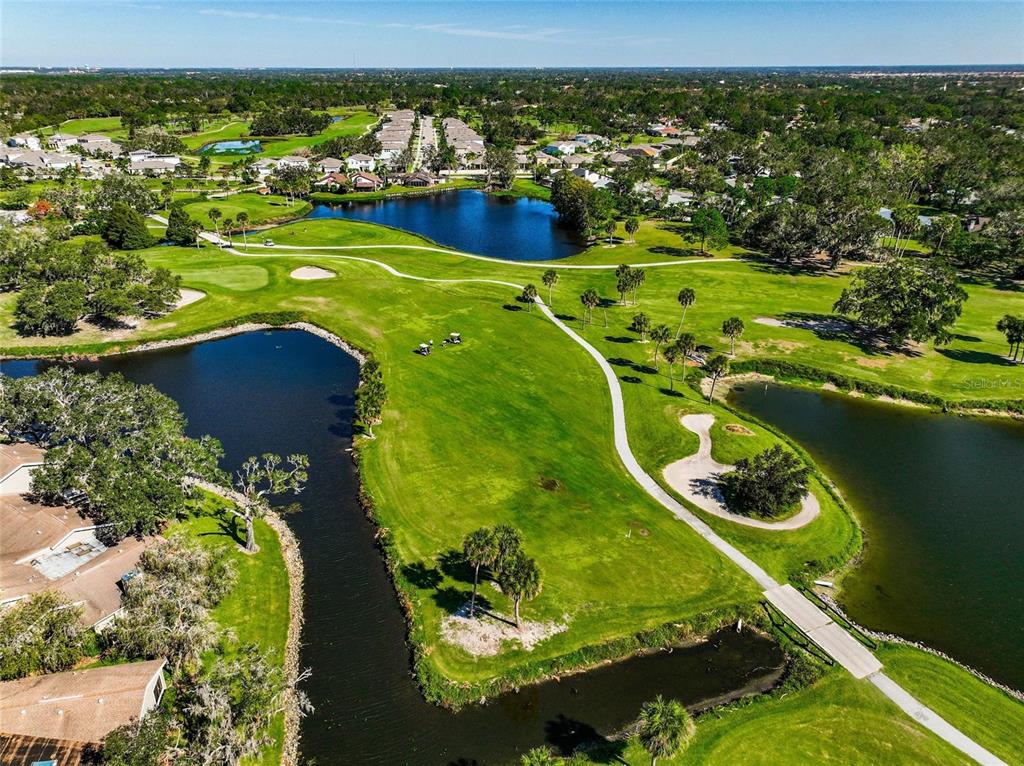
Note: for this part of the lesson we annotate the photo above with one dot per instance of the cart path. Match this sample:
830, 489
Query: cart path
313, 249
832, 639
695, 478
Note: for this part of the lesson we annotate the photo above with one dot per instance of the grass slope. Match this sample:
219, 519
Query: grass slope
256, 611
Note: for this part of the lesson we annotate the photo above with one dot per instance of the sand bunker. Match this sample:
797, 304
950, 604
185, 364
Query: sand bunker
696, 478
312, 272
823, 325
485, 634
188, 296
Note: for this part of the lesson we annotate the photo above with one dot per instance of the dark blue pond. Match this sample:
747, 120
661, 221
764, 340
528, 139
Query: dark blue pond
514, 228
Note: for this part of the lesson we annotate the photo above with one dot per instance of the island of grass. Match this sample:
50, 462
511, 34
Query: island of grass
617, 567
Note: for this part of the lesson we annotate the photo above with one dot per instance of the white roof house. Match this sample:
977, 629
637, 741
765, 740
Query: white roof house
330, 165
293, 161
360, 162
25, 139
61, 141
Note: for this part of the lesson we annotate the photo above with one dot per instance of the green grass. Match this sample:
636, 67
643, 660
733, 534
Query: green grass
519, 404
837, 720
256, 610
394, 191
109, 126
261, 209
987, 715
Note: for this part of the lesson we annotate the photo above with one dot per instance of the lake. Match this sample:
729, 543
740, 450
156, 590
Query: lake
288, 391
513, 228
232, 147
939, 497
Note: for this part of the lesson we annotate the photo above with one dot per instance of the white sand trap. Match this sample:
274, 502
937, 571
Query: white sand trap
188, 296
312, 272
770, 321
696, 478
485, 634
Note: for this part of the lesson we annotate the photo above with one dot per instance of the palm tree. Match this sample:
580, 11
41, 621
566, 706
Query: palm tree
589, 299
530, 296
671, 357
243, 222
479, 548
609, 229
685, 344
550, 279
716, 368
632, 226
732, 328
687, 297
520, 578
215, 215
636, 278
660, 334
664, 727
641, 325
228, 224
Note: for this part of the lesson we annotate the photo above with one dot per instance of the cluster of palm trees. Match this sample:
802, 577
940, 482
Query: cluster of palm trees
628, 281
663, 729
1013, 328
215, 214
500, 550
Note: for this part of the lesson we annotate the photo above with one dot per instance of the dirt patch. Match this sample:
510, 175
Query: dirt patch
487, 633
549, 484
312, 272
640, 529
879, 364
736, 428
188, 296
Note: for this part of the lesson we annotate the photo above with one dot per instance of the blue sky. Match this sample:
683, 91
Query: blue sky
270, 33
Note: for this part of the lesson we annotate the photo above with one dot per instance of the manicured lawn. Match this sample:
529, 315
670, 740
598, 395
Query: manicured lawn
837, 720
654, 242
108, 126
392, 191
261, 209
256, 611
989, 716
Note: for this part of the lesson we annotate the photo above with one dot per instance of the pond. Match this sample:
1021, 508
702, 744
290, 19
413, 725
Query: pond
288, 391
232, 147
513, 228
940, 501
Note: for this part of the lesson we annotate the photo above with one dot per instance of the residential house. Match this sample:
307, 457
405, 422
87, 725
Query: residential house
330, 165
419, 178
17, 462
618, 158
562, 147
25, 140
589, 139
361, 162
597, 180
294, 161
332, 182
643, 150
61, 142
95, 143
683, 197
362, 181
264, 167
55, 547
80, 705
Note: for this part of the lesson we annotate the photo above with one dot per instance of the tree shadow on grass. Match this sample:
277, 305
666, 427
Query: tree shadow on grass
630, 379
645, 369
975, 357
453, 600
566, 317
510, 307
422, 576
619, 339
620, 361
671, 392
229, 526
455, 566
678, 252
833, 327
967, 338
799, 267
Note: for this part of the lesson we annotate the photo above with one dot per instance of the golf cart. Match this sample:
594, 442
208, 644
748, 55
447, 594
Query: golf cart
453, 339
